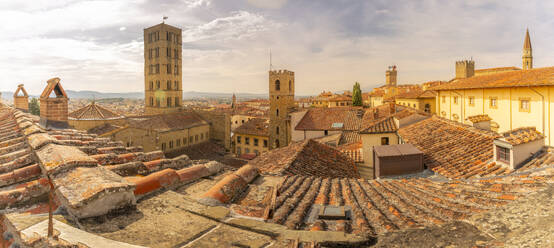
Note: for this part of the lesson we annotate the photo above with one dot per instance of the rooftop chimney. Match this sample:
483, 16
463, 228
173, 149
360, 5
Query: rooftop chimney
392, 107
53, 105
21, 99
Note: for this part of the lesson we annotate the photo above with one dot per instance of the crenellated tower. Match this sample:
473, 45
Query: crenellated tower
527, 53
465, 69
281, 103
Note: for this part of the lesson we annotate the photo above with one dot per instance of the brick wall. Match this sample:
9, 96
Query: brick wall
54, 109
21, 102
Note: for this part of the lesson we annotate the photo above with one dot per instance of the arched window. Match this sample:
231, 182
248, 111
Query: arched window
277, 85
169, 102
168, 84
151, 85
158, 85
277, 130
277, 112
151, 101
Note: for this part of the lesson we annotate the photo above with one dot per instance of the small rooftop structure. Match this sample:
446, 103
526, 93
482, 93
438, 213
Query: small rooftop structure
516, 146
21, 98
480, 121
392, 160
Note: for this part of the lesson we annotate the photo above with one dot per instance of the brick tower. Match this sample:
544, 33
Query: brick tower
465, 68
527, 53
21, 98
53, 105
163, 86
281, 103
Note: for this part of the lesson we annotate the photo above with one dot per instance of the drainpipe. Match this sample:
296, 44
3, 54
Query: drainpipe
543, 128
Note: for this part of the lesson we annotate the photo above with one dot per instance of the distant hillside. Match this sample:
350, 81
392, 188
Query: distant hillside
87, 94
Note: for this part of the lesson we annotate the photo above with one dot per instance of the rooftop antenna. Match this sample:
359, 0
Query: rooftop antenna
164, 18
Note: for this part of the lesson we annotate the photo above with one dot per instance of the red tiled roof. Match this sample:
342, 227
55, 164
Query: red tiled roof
478, 118
521, 78
255, 126
306, 158
522, 135
387, 125
380, 206
324, 118
497, 69
449, 147
94, 111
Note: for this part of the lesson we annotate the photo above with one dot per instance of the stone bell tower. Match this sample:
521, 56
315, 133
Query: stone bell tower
281, 103
527, 53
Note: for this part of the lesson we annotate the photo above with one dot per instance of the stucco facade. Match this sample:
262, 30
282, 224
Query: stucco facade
168, 141
509, 108
250, 144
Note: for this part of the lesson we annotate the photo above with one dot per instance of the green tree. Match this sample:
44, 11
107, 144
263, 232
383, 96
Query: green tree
34, 107
357, 95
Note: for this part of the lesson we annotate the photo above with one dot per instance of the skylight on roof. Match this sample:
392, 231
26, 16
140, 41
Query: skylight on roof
337, 125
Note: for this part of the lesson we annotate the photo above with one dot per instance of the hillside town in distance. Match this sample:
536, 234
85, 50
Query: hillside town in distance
460, 162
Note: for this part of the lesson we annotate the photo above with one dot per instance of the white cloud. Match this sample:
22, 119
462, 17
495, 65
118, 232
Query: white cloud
268, 4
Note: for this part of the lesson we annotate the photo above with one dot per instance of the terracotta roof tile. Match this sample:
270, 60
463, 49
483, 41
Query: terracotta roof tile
449, 147
306, 158
521, 78
324, 118
255, 126
478, 118
522, 135
387, 125
94, 111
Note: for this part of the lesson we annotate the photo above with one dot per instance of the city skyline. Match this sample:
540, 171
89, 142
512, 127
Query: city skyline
226, 43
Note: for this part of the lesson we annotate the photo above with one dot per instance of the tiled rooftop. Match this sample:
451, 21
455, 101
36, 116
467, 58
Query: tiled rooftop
324, 118
379, 206
520, 78
309, 158
478, 118
522, 135
449, 148
255, 126
387, 125
94, 111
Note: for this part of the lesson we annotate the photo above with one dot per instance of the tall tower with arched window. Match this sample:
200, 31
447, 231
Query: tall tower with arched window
281, 103
163, 86
527, 52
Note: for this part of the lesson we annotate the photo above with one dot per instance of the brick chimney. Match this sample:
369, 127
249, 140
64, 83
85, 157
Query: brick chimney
21, 99
53, 105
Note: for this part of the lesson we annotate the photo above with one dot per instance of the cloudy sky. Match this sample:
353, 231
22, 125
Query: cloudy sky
97, 45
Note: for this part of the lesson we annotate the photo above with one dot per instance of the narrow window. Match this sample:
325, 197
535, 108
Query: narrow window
151, 101
177, 102
170, 144
178, 143
277, 130
168, 102
238, 139
277, 85
277, 112
455, 100
163, 146
247, 140
290, 85
151, 85
384, 141
494, 102
471, 101
503, 154
196, 138
524, 105
256, 141
168, 84
265, 143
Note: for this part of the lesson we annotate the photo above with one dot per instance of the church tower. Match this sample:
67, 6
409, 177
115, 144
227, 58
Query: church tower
163, 86
527, 53
281, 103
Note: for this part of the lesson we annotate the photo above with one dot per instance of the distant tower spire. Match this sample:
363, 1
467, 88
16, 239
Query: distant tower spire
527, 53
234, 103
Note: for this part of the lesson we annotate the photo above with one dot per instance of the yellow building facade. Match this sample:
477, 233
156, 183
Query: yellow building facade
252, 138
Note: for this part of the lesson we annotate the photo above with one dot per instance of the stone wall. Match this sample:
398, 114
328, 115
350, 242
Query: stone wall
220, 127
